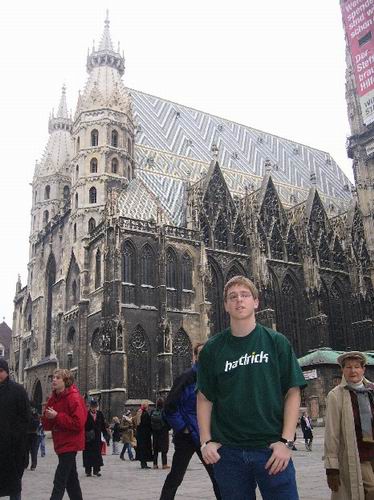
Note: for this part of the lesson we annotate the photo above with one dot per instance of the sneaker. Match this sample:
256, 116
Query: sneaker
145, 467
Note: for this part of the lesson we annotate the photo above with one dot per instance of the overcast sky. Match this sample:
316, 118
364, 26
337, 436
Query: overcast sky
273, 65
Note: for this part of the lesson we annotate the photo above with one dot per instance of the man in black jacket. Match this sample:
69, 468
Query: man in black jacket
14, 420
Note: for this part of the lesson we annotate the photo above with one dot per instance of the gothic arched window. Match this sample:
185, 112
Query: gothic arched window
129, 148
114, 166
171, 269
293, 249
128, 263
324, 253
47, 192
45, 217
93, 166
92, 195
76, 200
147, 266
75, 232
94, 137
221, 234
276, 245
114, 138
240, 244
66, 194
187, 266
182, 352
215, 297
74, 292
138, 365
288, 313
91, 225
98, 269
76, 172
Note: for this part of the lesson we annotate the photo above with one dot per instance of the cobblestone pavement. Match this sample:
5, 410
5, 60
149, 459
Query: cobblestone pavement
126, 481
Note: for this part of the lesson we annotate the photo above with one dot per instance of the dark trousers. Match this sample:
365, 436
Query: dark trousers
32, 449
15, 496
164, 457
95, 470
184, 449
66, 477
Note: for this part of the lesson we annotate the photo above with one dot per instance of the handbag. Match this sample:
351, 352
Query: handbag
90, 436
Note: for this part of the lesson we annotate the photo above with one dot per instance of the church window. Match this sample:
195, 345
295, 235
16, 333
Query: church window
129, 173
47, 192
75, 232
98, 269
76, 200
114, 166
276, 245
94, 137
147, 266
76, 172
239, 239
138, 364
29, 322
71, 335
66, 193
35, 196
171, 269
128, 264
78, 144
92, 195
93, 166
182, 352
115, 138
74, 291
187, 272
220, 234
45, 217
129, 149
91, 225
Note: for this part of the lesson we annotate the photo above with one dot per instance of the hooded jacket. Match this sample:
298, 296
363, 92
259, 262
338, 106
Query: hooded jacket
68, 426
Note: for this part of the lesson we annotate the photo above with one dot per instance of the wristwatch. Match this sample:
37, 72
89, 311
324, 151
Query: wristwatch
205, 443
289, 444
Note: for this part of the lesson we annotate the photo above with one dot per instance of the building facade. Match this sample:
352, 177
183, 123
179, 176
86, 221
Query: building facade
143, 208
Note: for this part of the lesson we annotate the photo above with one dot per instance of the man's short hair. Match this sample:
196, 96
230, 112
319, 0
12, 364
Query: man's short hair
196, 348
66, 376
240, 280
356, 355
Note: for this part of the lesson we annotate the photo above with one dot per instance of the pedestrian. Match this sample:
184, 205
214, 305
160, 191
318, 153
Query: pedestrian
248, 402
115, 429
160, 435
127, 435
180, 413
307, 430
95, 428
349, 436
143, 436
41, 438
14, 420
65, 415
32, 439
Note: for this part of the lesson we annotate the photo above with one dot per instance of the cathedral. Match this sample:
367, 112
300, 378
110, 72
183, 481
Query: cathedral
143, 208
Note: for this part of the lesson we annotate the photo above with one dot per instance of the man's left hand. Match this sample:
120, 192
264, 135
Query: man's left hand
279, 459
50, 413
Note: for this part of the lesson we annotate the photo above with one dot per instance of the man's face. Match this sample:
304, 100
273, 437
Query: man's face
240, 303
3, 375
353, 371
58, 383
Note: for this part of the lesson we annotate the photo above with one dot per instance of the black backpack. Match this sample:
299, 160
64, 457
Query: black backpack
157, 420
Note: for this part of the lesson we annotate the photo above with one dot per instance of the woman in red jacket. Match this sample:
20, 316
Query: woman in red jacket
65, 415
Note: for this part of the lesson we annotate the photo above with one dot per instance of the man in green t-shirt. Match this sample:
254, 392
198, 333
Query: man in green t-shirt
248, 402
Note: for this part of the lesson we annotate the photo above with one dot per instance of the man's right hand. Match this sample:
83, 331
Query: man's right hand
333, 481
210, 453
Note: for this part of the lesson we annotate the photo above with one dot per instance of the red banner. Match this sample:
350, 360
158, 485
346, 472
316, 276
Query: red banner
358, 18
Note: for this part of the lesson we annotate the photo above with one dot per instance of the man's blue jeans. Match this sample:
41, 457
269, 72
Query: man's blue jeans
240, 471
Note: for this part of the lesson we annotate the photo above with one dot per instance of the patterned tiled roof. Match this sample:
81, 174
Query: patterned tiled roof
173, 149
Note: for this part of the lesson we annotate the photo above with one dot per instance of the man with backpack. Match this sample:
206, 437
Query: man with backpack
160, 435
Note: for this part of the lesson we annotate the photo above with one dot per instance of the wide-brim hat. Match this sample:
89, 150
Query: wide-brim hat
352, 355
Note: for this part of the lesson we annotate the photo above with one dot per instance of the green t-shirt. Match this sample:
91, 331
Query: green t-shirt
246, 379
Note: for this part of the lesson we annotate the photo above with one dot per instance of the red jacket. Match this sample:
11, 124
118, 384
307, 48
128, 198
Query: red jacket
68, 426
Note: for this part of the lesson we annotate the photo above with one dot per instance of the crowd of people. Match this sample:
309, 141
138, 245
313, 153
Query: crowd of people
237, 408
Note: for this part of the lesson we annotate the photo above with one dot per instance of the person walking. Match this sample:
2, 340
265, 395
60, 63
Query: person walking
95, 428
127, 435
160, 435
115, 429
32, 439
41, 438
143, 436
180, 413
14, 420
248, 402
65, 415
349, 432
306, 428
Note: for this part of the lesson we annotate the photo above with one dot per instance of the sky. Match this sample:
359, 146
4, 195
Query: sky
275, 66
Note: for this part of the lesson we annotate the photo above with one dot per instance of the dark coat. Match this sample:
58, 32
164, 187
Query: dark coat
160, 440
180, 405
92, 452
116, 432
307, 431
144, 438
14, 420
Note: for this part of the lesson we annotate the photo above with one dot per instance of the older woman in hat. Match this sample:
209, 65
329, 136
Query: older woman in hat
95, 426
349, 437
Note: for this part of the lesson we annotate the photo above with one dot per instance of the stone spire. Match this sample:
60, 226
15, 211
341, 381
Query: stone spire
106, 42
62, 121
